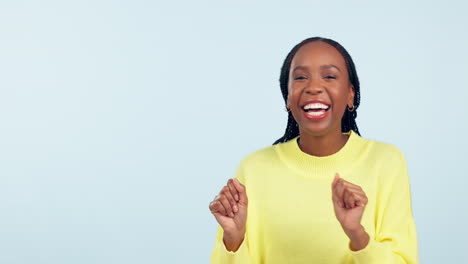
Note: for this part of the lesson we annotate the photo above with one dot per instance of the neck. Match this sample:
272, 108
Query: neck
322, 145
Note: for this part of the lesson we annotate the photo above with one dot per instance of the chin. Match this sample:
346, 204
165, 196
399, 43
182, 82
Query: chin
316, 130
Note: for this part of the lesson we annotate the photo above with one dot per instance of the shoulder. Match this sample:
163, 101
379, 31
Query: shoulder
390, 162
383, 151
264, 155
255, 161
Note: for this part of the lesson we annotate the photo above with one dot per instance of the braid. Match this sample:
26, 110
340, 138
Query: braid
292, 130
348, 121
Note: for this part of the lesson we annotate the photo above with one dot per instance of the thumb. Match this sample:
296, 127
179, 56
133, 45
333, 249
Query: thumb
242, 192
335, 180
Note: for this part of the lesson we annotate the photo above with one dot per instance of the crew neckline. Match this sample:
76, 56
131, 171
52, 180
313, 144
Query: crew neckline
319, 166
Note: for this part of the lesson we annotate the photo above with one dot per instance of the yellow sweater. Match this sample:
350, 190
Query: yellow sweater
290, 216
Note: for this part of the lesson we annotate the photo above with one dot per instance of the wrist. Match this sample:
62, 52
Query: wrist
233, 233
359, 238
233, 241
354, 231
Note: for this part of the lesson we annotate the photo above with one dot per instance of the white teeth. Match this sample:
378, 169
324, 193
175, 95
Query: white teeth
317, 113
315, 106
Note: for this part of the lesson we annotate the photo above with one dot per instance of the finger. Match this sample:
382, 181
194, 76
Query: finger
230, 198
338, 180
358, 200
339, 189
233, 190
227, 206
349, 198
232, 194
241, 190
337, 201
335, 180
362, 201
343, 185
351, 185
227, 192
335, 196
217, 207
354, 198
352, 188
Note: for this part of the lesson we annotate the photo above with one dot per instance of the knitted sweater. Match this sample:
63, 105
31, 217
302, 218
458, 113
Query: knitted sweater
290, 215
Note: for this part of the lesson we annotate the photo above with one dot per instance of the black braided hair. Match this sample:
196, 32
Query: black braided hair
348, 121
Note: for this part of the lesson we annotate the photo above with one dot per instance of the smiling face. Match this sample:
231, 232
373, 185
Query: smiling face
318, 72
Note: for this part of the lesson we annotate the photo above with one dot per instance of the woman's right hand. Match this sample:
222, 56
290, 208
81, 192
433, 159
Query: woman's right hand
230, 210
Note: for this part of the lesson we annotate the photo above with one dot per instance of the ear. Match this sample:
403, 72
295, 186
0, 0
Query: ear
351, 95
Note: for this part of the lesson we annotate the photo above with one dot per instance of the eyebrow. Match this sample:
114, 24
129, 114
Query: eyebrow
325, 66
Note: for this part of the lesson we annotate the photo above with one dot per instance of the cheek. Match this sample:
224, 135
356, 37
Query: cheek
292, 95
339, 105
339, 96
297, 87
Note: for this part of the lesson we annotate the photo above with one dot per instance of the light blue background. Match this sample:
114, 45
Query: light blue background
121, 120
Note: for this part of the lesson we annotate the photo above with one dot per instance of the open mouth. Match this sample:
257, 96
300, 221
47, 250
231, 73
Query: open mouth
316, 108
315, 111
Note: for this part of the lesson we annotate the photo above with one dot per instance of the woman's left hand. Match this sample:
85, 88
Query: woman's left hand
349, 201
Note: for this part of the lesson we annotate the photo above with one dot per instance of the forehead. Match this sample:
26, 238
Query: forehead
316, 53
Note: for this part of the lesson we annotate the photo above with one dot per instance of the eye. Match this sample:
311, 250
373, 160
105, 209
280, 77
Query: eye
300, 78
330, 77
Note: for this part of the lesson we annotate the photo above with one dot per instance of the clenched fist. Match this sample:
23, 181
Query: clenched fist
349, 202
230, 210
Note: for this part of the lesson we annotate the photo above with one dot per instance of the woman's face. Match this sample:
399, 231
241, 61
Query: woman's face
318, 71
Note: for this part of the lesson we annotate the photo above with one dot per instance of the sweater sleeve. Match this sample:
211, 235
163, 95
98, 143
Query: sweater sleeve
220, 254
395, 240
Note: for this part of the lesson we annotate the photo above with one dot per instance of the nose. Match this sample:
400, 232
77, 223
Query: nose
313, 87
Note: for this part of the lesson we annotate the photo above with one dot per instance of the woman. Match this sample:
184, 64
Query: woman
321, 193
